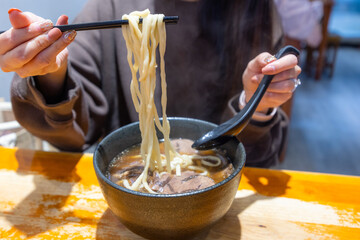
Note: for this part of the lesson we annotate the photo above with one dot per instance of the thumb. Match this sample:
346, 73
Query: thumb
18, 19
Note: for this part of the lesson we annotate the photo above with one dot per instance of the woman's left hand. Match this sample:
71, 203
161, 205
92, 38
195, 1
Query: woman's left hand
283, 84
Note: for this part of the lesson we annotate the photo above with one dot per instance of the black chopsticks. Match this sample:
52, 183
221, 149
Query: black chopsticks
105, 24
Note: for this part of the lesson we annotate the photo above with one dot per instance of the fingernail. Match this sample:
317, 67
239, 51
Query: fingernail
269, 68
14, 9
270, 59
69, 36
46, 25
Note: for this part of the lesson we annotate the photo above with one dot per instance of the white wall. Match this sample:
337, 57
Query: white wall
47, 9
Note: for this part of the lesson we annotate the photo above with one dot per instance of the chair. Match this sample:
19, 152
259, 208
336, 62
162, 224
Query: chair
333, 44
13, 135
320, 60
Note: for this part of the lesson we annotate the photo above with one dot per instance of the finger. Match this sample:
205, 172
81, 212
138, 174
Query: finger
54, 66
18, 19
273, 100
14, 37
285, 86
52, 56
287, 74
25, 52
282, 87
62, 20
282, 64
33, 17
254, 67
270, 99
256, 64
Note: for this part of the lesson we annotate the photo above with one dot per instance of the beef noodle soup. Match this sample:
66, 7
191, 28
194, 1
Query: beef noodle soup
158, 166
206, 169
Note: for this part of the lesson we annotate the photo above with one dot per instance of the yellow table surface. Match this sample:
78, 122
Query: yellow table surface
46, 195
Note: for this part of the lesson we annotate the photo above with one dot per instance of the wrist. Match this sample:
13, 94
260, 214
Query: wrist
52, 84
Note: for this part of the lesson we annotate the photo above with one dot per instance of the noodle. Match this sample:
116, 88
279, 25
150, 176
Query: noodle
142, 42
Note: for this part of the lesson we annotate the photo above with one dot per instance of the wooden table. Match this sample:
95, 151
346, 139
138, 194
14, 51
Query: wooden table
56, 196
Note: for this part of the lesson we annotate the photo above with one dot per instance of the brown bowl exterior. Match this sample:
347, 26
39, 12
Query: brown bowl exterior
176, 216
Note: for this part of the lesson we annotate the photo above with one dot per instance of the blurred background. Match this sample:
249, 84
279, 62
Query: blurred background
324, 134
324, 127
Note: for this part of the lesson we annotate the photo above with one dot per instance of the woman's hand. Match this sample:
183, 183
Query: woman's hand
32, 47
283, 84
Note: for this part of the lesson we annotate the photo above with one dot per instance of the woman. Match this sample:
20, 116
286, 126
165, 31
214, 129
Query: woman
72, 96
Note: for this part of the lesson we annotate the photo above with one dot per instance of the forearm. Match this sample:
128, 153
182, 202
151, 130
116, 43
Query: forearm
73, 119
55, 123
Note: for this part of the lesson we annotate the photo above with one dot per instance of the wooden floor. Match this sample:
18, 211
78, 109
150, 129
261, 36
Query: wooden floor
325, 126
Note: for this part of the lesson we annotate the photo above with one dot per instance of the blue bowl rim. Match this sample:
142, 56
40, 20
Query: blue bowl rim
176, 195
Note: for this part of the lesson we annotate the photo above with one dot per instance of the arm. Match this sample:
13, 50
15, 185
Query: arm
75, 118
265, 136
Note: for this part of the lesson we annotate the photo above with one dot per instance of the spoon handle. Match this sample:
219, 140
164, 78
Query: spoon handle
243, 117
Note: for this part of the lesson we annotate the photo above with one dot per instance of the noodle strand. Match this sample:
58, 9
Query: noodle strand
142, 41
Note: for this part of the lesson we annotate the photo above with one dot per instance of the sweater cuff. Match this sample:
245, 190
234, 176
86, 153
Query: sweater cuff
56, 112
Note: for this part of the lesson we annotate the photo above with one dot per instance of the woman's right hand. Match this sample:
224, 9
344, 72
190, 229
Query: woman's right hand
32, 47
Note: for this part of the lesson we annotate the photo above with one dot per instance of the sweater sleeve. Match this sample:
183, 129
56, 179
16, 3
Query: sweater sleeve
264, 142
75, 121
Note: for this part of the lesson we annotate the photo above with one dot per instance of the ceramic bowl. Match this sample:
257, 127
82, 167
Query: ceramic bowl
176, 216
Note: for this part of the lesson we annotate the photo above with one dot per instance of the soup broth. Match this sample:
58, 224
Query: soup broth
207, 168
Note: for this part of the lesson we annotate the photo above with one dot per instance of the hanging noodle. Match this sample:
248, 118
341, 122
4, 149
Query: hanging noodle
142, 40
